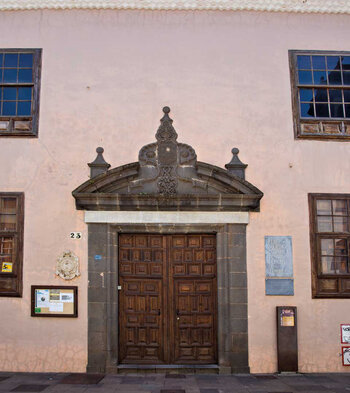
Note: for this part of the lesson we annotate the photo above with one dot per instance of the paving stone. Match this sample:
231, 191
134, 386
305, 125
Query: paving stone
309, 388
172, 391
30, 388
209, 391
82, 379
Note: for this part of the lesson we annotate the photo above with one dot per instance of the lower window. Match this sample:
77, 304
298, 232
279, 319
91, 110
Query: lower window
330, 238
11, 243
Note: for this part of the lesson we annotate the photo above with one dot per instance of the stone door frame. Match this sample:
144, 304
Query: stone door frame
103, 290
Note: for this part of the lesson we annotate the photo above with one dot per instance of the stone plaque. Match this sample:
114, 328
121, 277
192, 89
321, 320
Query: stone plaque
278, 256
279, 286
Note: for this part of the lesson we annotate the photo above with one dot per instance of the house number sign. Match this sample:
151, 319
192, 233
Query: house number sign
75, 235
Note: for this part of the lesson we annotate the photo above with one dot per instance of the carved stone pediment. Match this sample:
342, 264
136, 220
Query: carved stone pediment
167, 177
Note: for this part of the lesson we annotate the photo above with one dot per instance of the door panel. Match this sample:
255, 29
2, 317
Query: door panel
141, 307
167, 305
193, 263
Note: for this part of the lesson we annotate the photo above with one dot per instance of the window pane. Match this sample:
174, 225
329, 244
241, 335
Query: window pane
340, 224
24, 108
304, 62
11, 59
25, 93
8, 222
25, 75
346, 62
1, 74
347, 95
10, 75
341, 265
318, 62
324, 224
10, 93
347, 110
321, 95
346, 78
306, 94
26, 60
8, 205
9, 108
324, 207
305, 77
307, 110
6, 245
328, 265
1, 59
322, 110
339, 207
327, 247
335, 95
340, 247
333, 62
337, 110
320, 77
334, 78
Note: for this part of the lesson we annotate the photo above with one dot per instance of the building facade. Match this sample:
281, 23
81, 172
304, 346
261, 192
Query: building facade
182, 235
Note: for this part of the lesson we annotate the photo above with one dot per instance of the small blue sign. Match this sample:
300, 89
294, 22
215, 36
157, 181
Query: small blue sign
98, 257
279, 287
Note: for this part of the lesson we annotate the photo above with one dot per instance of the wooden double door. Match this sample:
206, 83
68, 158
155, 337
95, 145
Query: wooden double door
168, 299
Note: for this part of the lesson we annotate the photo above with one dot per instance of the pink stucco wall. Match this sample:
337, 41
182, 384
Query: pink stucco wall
106, 75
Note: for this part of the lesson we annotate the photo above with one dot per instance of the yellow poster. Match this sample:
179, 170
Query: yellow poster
287, 317
6, 267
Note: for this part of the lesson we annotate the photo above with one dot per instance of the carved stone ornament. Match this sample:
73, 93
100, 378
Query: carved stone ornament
168, 177
67, 265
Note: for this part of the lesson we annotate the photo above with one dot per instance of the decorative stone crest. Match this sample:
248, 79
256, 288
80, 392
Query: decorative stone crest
67, 265
167, 176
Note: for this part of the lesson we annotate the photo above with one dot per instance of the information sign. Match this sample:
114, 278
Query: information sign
54, 301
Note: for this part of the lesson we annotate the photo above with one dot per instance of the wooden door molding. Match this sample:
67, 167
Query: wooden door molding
232, 329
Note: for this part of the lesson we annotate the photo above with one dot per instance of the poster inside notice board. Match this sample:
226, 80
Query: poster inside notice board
54, 301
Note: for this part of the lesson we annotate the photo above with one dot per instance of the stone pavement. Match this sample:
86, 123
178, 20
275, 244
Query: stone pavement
174, 383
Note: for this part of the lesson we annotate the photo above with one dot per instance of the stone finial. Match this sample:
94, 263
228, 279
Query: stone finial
99, 165
166, 131
235, 166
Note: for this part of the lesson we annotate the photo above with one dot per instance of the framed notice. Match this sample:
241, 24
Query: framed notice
345, 333
54, 301
346, 356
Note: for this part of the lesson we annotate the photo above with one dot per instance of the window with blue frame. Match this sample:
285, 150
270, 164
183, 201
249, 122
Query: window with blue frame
321, 94
20, 71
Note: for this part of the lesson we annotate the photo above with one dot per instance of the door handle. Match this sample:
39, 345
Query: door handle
159, 312
177, 314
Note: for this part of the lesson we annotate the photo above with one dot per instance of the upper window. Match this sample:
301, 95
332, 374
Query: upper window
321, 94
11, 243
19, 91
330, 241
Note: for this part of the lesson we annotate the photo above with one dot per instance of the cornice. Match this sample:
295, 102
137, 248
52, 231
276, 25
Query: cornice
296, 6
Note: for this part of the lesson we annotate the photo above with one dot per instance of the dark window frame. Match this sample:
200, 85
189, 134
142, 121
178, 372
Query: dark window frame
319, 128
24, 126
14, 279
322, 282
